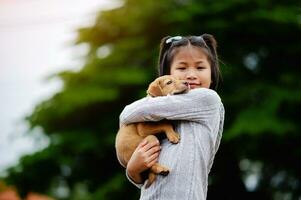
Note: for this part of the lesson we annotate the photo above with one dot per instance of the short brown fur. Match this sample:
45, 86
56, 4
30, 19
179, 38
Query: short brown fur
129, 136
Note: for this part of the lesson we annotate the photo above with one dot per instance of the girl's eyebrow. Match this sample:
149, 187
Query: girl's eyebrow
184, 63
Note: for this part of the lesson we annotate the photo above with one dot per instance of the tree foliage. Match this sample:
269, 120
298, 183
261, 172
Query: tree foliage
259, 49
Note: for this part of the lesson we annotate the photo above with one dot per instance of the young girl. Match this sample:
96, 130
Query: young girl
198, 116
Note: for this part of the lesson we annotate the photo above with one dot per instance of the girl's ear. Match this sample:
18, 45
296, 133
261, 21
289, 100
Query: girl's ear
211, 43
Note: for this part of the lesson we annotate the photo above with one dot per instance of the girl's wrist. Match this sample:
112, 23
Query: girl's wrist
136, 177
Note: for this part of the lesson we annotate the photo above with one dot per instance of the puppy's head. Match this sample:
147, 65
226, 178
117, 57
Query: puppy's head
167, 85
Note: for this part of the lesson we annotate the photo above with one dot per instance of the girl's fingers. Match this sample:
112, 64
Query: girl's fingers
153, 159
146, 154
143, 143
150, 145
153, 150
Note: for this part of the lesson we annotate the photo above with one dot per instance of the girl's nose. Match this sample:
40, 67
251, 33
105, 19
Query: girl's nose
191, 74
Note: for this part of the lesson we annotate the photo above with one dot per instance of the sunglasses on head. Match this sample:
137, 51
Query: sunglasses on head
179, 38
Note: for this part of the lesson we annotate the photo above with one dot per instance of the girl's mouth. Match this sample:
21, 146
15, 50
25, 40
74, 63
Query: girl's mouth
194, 85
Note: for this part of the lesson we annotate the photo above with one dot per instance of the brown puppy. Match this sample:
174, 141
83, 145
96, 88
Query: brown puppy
129, 136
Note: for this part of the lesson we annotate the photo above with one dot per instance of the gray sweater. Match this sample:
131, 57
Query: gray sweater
199, 116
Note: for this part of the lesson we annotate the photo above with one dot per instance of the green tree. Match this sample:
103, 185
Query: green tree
259, 49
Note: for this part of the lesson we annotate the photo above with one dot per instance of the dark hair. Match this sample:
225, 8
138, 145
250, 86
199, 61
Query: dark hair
206, 42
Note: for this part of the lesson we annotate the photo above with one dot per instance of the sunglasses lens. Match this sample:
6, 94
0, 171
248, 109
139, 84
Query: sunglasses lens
172, 39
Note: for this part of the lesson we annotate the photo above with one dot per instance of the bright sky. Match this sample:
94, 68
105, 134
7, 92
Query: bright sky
36, 41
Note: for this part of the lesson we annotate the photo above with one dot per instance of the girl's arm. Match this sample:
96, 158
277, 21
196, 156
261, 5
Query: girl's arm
196, 105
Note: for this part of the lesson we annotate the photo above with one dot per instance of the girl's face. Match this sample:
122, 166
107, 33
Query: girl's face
190, 63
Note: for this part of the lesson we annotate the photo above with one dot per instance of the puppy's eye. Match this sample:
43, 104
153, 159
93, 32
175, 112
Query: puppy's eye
169, 82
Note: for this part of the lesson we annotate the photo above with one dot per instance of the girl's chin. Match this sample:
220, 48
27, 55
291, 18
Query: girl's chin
194, 87
191, 87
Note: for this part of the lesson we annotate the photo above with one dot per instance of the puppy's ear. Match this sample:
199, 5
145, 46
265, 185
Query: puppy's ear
154, 89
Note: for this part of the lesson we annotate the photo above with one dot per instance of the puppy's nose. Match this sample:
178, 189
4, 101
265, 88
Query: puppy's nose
186, 83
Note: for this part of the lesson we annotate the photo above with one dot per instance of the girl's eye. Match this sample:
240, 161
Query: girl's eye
169, 82
181, 68
200, 67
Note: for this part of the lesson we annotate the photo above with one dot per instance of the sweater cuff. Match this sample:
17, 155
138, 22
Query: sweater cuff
138, 185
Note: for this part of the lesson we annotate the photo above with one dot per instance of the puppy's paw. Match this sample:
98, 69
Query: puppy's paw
159, 169
164, 172
174, 138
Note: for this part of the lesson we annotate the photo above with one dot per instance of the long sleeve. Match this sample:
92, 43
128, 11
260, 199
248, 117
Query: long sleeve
138, 185
199, 115
196, 106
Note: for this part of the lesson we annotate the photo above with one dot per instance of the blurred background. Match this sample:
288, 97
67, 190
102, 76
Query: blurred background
68, 68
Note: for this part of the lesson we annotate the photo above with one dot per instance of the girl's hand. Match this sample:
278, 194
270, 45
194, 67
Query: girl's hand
144, 157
